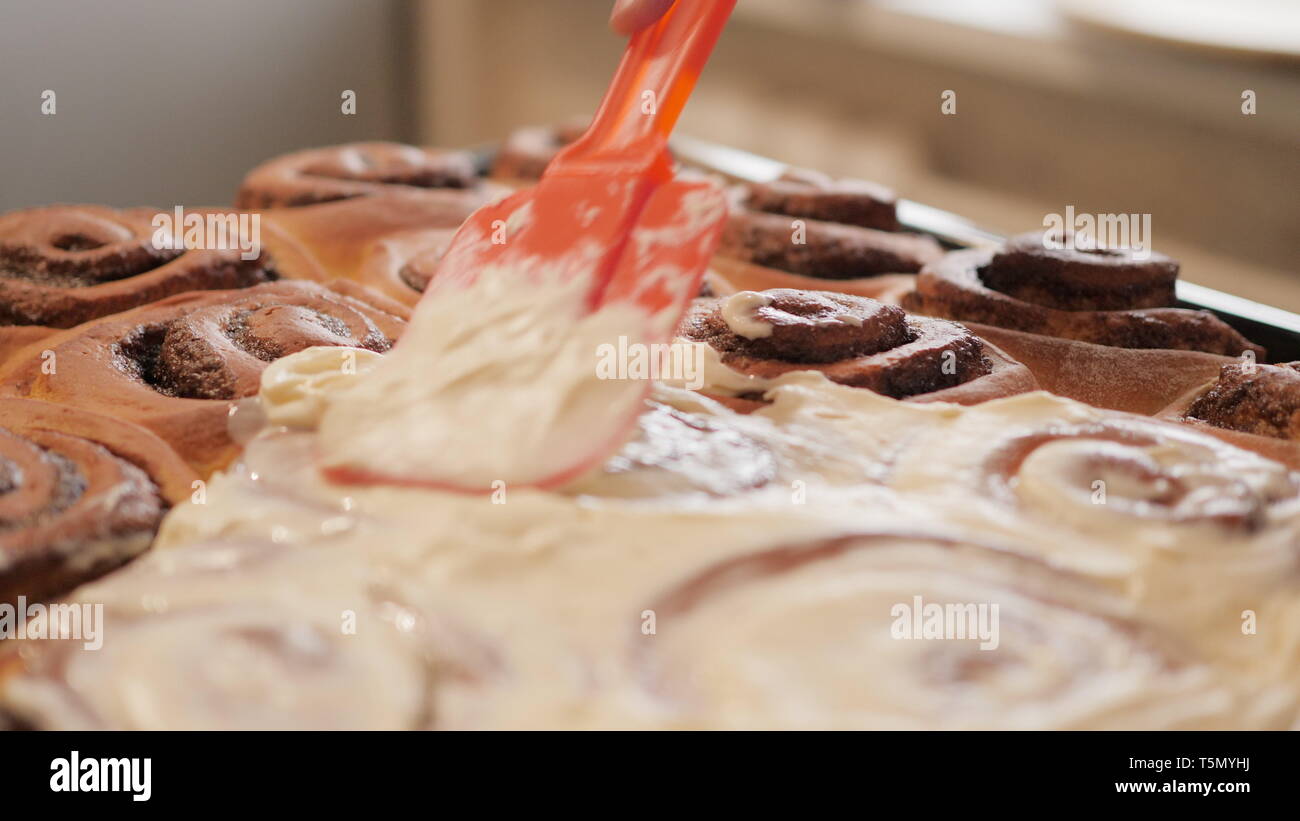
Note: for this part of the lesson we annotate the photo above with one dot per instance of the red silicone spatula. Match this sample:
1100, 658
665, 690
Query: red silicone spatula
596, 189
608, 216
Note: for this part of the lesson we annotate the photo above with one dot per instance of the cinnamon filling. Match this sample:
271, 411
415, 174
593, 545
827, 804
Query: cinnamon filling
1259, 399
220, 351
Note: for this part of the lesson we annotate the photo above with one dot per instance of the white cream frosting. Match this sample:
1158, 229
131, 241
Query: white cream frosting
565, 609
294, 388
467, 364
715, 377
739, 313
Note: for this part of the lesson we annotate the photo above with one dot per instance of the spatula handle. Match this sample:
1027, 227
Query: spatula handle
649, 90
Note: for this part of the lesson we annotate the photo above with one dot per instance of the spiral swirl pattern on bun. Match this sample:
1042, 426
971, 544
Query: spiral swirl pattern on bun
174, 366
62, 265
80, 494
845, 634
295, 644
1194, 531
853, 340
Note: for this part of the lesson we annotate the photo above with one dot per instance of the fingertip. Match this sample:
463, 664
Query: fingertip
630, 16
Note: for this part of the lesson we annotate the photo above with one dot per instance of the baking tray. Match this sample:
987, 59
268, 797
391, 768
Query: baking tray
1275, 329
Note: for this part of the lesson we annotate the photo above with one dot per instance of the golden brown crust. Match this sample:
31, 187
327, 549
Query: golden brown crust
1135, 380
341, 172
62, 265
370, 240
1252, 406
155, 365
401, 264
1260, 399
1279, 450
527, 151
135, 444
80, 494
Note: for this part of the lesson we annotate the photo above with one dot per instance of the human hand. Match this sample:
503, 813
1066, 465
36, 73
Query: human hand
630, 16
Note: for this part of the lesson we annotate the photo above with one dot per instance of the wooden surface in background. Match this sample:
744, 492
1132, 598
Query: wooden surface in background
1105, 129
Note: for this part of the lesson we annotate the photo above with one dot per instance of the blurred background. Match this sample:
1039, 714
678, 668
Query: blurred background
1112, 107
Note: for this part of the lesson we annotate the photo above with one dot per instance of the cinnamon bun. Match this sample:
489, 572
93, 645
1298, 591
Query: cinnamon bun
356, 170
1104, 297
756, 337
1251, 405
80, 494
525, 153
802, 192
807, 228
1193, 530
899, 631
387, 244
1260, 399
1123, 615
241, 634
176, 366
62, 265
810, 232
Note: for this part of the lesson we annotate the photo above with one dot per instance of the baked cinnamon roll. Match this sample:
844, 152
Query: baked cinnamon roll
802, 192
820, 228
525, 153
80, 494
176, 366
1251, 405
897, 631
1260, 399
355, 170
1100, 473
62, 265
250, 635
389, 244
1149, 473
1194, 531
758, 336
1105, 297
